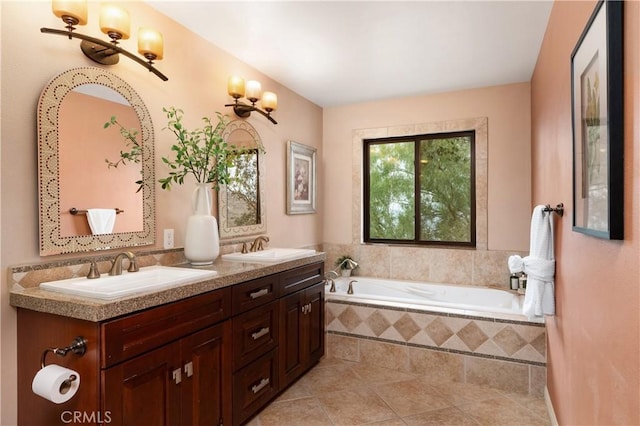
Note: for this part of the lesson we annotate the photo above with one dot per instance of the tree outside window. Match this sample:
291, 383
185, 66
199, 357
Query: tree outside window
420, 189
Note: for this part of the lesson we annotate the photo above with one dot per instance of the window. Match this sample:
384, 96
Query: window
420, 189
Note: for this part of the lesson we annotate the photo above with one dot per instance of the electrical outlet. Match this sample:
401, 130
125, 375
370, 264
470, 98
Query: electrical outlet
168, 238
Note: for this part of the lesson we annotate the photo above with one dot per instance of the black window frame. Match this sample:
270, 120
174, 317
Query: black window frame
366, 198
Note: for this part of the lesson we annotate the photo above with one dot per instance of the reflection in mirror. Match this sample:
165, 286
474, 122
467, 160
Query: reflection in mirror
242, 204
72, 148
83, 147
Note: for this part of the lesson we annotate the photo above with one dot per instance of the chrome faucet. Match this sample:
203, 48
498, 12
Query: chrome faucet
256, 245
350, 289
116, 266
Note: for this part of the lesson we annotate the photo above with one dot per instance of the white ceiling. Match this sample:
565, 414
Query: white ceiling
339, 52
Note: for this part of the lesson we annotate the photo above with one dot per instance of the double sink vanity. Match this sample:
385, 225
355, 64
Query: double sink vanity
175, 345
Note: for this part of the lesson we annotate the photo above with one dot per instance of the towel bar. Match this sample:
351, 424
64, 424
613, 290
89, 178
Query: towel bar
558, 209
75, 211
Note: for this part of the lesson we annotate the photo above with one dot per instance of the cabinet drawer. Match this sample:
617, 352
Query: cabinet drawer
138, 333
302, 277
254, 386
255, 293
254, 333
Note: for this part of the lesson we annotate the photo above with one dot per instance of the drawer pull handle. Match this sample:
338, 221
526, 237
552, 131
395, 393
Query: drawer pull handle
177, 375
259, 334
259, 293
188, 369
257, 388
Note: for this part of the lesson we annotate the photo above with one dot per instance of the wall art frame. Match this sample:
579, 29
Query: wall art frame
597, 109
301, 178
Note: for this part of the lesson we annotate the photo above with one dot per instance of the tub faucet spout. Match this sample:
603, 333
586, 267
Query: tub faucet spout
350, 289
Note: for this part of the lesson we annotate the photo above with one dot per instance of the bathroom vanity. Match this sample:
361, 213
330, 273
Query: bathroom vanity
213, 352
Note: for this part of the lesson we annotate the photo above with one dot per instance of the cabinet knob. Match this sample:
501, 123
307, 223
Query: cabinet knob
188, 369
177, 376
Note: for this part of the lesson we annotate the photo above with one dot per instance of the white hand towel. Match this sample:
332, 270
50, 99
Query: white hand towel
101, 221
539, 266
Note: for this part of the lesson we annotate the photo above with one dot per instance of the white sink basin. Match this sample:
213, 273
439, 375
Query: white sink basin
112, 287
269, 255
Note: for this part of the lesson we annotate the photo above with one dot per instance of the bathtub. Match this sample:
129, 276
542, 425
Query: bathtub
445, 298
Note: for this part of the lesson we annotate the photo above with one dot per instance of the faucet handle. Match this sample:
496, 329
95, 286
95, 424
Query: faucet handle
93, 270
133, 265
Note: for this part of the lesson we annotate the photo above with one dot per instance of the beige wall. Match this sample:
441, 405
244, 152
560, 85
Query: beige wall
594, 340
507, 109
197, 74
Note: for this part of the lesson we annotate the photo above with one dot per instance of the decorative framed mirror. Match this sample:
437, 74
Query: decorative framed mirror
242, 204
74, 176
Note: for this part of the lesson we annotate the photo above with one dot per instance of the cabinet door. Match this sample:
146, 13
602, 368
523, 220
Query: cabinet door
206, 375
291, 336
144, 390
314, 297
301, 331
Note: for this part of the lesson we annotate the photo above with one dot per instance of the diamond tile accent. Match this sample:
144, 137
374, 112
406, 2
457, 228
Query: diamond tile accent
472, 335
540, 344
460, 333
349, 318
438, 331
407, 327
378, 323
329, 316
509, 340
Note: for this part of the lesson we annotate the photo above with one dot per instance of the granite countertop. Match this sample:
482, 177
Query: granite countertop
84, 308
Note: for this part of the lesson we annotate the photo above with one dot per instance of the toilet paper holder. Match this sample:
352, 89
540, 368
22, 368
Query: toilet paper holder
78, 346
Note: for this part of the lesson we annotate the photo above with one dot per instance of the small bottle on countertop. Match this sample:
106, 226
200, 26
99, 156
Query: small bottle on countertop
514, 281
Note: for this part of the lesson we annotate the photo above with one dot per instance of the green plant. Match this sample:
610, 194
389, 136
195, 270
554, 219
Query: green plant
340, 262
202, 152
133, 155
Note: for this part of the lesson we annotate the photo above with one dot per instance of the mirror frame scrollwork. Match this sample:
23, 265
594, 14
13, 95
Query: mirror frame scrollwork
51, 242
230, 232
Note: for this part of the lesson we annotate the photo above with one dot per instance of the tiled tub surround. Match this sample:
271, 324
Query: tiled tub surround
505, 354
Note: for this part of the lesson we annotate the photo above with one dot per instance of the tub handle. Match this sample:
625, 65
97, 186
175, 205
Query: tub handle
350, 289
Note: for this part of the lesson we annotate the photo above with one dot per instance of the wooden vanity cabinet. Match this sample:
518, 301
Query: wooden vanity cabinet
167, 365
275, 342
183, 380
211, 359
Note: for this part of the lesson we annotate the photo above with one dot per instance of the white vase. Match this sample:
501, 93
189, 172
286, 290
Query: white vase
202, 240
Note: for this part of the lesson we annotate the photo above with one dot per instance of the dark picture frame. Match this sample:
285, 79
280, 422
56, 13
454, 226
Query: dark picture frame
597, 124
301, 178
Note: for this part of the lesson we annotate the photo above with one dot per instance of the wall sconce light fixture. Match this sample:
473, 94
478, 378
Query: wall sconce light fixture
252, 91
114, 22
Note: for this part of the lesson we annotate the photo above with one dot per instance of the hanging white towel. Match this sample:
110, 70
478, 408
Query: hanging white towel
539, 266
101, 221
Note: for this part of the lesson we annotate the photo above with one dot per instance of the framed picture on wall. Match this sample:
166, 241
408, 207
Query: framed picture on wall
597, 122
301, 178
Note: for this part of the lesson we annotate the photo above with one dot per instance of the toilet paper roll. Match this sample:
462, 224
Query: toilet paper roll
56, 383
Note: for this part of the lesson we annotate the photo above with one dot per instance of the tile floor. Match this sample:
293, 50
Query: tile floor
338, 392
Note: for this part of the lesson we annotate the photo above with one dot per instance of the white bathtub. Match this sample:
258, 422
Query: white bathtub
456, 299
